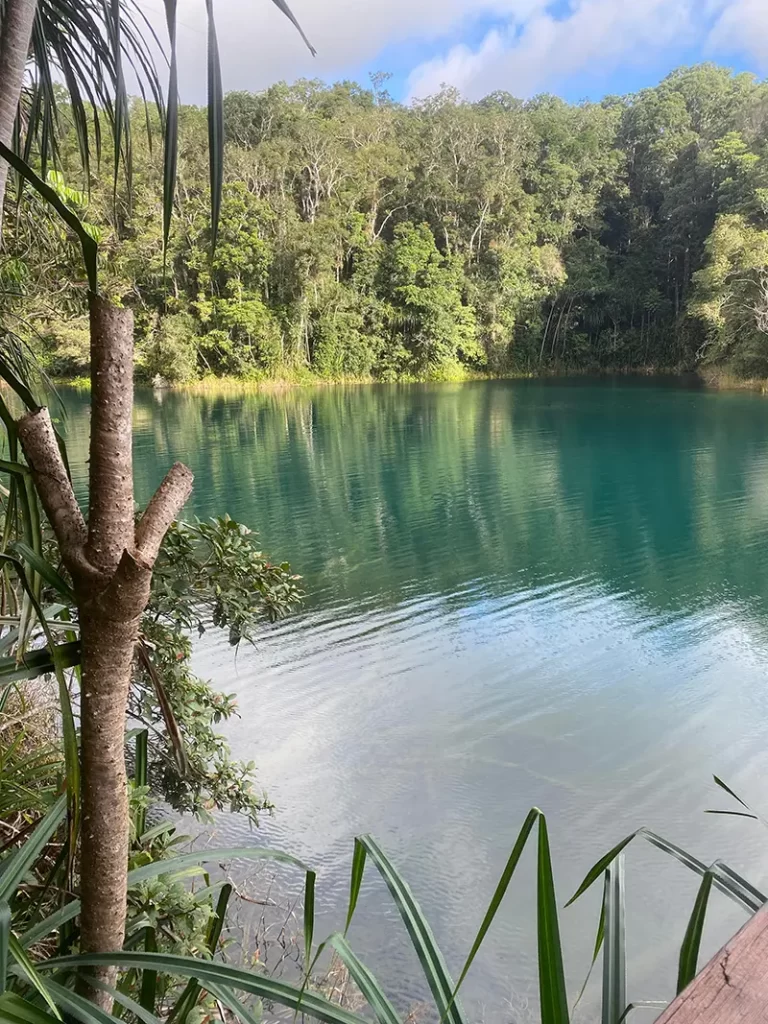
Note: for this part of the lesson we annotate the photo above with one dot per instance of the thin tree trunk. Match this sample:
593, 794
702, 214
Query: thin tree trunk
557, 331
546, 330
111, 563
566, 325
686, 271
15, 35
677, 296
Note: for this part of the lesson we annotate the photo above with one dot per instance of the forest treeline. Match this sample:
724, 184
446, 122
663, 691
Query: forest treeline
361, 238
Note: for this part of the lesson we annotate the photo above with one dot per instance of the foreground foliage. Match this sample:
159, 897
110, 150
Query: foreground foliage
210, 575
154, 969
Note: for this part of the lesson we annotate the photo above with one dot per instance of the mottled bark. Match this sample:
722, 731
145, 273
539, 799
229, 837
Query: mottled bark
106, 673
42, 450
111, 565
163, 509
110, 518
15, 35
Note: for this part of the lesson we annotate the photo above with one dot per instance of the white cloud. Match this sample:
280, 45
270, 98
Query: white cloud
534, 46
742, 27
594, 36
259, 46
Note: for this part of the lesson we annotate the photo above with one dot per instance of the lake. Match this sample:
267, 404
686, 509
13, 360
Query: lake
520, 594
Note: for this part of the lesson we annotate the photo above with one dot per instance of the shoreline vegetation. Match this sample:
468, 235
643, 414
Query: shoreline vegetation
705, 380
360, 239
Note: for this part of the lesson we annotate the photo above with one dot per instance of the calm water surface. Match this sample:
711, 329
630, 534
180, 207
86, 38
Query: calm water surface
519, 594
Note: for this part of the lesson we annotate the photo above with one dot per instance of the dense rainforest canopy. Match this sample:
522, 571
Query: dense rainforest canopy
362, 238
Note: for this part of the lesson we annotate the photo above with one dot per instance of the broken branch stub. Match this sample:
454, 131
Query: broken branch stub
41, 449
168, 500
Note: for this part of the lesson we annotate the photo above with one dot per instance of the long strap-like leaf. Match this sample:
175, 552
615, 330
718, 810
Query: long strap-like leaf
746, 895
139, 1011
80, 1008
171, 151
14, 867
215, 125
38, 663
356, 880
422, 938
15, 1010
69, 732
365, 981
552, 993
501, 890
689, 951
89, 246
219, 974
5, 937
233, 1004
27, 969
283, 6
614, 952
122, 125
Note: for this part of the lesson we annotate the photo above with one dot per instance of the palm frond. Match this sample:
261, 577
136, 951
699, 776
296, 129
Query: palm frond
86, 44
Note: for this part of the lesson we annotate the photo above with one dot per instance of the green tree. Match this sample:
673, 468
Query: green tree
424, 289
732, 295
570, 233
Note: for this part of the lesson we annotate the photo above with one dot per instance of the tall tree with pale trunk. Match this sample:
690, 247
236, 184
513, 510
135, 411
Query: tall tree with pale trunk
15, 37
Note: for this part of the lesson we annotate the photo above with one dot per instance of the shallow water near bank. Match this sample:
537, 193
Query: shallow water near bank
520, 593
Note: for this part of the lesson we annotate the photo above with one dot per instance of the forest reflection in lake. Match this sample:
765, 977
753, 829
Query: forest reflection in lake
519, 593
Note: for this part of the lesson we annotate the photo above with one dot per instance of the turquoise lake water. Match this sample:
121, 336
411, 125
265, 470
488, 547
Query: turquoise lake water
520, 593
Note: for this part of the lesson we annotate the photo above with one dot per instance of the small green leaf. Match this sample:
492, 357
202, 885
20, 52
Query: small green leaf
174, 866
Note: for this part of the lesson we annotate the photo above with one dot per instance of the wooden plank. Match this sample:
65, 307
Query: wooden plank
733, 987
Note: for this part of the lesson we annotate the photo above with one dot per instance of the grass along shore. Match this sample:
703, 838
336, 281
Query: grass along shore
711, 379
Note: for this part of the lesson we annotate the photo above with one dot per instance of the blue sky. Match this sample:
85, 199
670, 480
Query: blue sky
579, 49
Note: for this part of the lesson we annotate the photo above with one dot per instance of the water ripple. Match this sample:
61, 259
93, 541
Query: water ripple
519, 594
